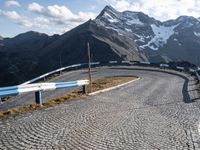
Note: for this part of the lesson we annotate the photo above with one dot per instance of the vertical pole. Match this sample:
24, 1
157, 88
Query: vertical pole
60, 63
89, 69
84, 89
1, 100
38, 98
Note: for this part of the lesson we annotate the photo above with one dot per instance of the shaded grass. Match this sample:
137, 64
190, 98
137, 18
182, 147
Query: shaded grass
110, 82
96, 85
5, 98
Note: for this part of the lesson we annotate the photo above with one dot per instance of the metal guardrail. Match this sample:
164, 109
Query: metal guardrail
164, 65
15, 90
113, 62
39, 87
56, 71
180, 68
52, 72
125, 62
145, 62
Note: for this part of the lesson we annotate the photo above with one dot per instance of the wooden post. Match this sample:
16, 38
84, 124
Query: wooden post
60, 63
89, 69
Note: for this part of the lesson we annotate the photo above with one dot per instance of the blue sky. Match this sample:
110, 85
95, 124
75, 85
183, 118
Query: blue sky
59, 16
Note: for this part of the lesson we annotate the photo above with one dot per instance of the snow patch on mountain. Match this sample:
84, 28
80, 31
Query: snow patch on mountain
140, 38
131, 18
110, 18
128, 30
175, 39
112, 28
197, 34
161, 35
134, 21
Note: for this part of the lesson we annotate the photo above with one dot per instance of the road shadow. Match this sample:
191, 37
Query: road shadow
186, 95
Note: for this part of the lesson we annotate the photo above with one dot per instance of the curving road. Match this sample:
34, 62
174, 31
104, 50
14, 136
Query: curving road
155, 112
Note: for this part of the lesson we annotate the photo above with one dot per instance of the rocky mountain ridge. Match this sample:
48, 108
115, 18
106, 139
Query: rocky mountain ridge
171, 40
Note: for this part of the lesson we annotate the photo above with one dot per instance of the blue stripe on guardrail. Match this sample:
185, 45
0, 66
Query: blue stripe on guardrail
16, 90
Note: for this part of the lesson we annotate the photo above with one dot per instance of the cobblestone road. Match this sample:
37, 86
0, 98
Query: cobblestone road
151, 113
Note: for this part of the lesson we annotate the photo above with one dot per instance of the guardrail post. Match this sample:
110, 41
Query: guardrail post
38, 98
84, 89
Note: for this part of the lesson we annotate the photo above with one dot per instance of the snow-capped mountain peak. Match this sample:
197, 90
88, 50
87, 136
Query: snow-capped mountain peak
148, 33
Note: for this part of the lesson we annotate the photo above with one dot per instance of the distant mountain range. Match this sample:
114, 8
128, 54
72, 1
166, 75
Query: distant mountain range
112, 35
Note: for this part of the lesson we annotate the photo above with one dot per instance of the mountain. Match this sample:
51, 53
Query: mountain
160, 41
17, 56
31, 54
112, 35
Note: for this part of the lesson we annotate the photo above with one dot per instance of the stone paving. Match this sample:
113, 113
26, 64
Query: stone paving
151, 113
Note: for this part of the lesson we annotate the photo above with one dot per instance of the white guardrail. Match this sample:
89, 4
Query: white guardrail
145, 62
52, 72
125, 62
98, 63
164, 65
180, 68
57, 70
39, 87
113, 62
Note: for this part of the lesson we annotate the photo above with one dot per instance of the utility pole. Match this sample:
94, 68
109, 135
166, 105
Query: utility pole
89, 69
60, 62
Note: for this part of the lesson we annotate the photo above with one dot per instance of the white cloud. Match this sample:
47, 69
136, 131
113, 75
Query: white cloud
10, 3
86, 15
14, 16
160, 9
61, 14
56, 17
35, 7
39, 22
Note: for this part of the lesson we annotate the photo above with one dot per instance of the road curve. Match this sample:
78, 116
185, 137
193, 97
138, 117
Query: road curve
154, 112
